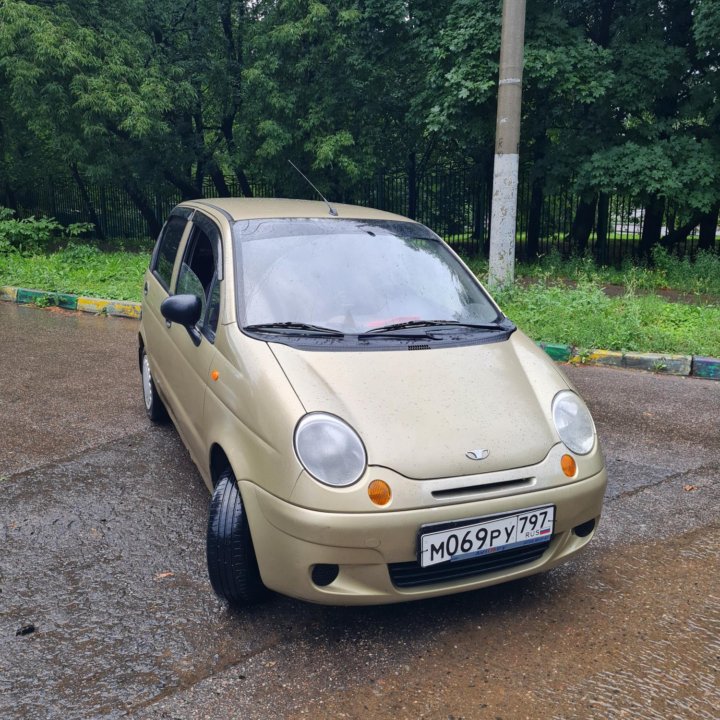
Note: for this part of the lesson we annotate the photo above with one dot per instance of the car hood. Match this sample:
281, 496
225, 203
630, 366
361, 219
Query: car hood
420, 413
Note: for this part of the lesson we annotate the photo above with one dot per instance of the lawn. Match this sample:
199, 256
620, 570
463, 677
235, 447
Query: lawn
79, 270
554, 301
585, 317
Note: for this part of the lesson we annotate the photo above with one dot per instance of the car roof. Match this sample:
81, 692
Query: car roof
257, 208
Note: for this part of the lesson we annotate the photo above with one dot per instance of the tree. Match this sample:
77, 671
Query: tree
331, 86
660, 145
138, 94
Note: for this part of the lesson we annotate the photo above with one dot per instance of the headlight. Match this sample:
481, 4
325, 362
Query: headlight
329, 449
573, 422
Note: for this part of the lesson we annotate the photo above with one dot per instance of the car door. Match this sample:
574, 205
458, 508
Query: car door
186, 360
158, 281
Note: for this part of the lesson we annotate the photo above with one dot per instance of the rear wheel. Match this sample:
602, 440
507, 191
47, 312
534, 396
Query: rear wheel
232, 566
153, 404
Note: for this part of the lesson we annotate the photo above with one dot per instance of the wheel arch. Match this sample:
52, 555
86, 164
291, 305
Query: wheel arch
219, 463
141, 347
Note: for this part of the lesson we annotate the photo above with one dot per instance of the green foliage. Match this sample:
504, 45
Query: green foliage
617, 96
583, 316
31, 235
698, 276
558, 300
79, 270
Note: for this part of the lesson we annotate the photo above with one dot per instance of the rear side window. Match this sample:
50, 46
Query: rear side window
167, 249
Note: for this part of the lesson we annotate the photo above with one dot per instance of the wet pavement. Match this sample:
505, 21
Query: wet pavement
102, 524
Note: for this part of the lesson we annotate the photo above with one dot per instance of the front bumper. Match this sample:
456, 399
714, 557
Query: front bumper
290, 540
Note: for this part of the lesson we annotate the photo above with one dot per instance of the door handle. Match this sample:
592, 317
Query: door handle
145, 289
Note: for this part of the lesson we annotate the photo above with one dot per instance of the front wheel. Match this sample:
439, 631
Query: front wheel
232, 565
153, 404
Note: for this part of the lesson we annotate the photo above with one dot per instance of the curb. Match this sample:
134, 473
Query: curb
660, 363
98, 306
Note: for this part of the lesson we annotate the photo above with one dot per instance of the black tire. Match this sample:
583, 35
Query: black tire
153, 404
232, 565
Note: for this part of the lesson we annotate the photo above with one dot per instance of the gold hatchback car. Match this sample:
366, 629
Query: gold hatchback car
371, 426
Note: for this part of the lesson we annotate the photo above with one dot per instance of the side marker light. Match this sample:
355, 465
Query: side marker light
379, 492
568, 465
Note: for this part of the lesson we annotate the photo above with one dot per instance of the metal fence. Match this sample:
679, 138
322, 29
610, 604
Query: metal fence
453, 201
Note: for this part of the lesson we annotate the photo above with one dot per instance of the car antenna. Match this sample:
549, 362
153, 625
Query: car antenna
333, 211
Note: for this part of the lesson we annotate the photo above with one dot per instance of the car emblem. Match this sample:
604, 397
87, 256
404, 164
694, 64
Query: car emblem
477, 454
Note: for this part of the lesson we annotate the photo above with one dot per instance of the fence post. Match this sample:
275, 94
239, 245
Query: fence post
381, 190
412, 186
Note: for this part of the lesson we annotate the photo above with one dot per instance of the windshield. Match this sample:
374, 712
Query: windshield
352, 277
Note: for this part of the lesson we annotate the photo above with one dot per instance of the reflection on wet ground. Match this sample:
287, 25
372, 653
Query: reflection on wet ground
106, 611
104, 556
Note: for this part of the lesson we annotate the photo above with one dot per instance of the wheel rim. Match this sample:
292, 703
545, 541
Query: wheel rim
147, 383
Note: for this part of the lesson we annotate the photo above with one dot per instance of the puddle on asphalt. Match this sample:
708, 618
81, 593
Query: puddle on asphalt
104, 555
637, 637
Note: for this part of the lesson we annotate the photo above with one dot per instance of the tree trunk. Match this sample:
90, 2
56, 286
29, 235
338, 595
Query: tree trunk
680, 235
10, 198
601, 242
219, 180
154, 224
87, 202
652, 224
583, 224
226, 127
244, 184
708, 229
188, 190
532, 249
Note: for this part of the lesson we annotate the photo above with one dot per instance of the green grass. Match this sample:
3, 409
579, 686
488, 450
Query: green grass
583, 316
545, 306
79, 270
700, 276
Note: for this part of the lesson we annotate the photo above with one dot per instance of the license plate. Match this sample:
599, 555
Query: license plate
482, 537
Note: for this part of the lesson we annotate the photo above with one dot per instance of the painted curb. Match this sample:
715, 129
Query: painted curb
659, 363
561, 353
683, 365
63, 300
613, 358
98, 306
115, 308
656, 362
706, 367
7, 293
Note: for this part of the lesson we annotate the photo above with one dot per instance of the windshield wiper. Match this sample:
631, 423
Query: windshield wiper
280, 327
433, 323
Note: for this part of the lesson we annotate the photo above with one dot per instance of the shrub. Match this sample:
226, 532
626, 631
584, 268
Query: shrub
32, 235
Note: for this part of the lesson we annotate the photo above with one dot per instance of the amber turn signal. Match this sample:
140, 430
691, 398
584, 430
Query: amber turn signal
379, 492
214, 374
568, 465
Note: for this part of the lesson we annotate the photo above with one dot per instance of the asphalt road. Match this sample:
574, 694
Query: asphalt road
102, 524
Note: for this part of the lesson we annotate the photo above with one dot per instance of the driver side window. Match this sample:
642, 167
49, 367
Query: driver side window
199, 275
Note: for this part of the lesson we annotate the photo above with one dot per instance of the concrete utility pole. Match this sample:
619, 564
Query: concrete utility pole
507, 140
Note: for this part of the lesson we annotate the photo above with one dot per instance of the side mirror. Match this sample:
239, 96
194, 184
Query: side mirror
184, 310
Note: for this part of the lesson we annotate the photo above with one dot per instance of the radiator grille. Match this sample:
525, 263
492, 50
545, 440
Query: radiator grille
410, 574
